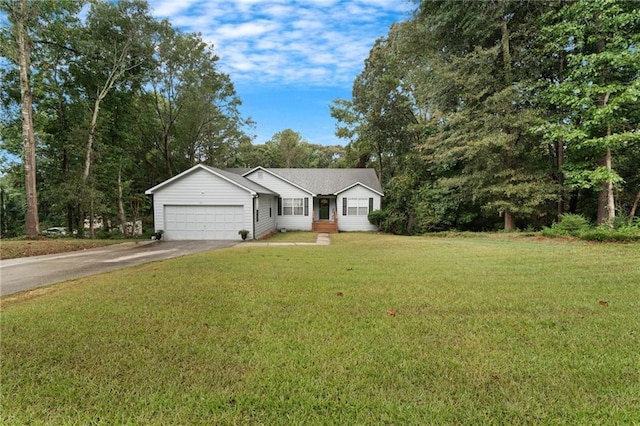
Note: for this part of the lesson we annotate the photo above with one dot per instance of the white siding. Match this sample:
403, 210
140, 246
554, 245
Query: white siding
202, 188
268, 212
286, 190
356, 223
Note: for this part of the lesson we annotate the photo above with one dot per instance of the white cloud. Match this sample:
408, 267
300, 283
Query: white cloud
245, 29
278, 10
311, 42
167, 8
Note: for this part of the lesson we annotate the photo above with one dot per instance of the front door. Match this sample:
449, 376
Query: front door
324, 209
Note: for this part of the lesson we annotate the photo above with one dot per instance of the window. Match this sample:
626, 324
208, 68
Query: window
293, 206
356, 206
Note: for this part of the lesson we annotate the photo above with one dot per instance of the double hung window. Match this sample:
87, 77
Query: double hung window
294, 206
356, 206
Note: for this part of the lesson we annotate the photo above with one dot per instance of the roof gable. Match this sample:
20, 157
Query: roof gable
235, 179
270, 171
359, 184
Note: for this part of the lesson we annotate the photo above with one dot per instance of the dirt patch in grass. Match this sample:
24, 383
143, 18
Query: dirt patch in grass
31, 294
26, 248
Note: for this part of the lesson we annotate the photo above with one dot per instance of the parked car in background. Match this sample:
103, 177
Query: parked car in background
55, 231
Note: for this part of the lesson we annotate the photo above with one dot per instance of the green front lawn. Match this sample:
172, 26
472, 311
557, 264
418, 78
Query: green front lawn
486, 329
293, 237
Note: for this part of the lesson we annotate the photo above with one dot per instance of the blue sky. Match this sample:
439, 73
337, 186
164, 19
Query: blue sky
288, 59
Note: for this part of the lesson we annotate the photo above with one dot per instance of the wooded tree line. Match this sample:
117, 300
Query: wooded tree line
477, 115
501, 114
101, 101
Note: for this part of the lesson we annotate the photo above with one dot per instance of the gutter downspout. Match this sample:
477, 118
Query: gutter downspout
253, 216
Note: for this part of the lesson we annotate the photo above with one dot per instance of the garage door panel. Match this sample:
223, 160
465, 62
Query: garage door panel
203, 222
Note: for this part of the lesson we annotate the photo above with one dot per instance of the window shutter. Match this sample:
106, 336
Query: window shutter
279, 206
344, 206
370, 205
306, 206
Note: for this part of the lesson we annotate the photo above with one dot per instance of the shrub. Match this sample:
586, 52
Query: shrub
376, 217
577, 226
395, 223
570, 224
604, 233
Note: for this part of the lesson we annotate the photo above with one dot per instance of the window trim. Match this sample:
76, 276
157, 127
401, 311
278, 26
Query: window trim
293, 206
363, 206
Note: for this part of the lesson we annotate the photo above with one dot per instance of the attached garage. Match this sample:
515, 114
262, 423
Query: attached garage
205, 203
203, 222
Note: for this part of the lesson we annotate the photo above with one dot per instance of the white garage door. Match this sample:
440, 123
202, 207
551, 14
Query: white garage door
203, 222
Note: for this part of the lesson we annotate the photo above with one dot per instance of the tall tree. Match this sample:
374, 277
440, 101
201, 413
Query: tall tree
92, 78
598, 92
118, 45
22, 16
192, 107
481, 75
288, 148
36, 27
383, 106
348, 127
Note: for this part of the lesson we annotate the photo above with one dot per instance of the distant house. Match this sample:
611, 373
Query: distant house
205, 203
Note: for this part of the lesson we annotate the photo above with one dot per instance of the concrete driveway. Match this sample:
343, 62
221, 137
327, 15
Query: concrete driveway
30, 272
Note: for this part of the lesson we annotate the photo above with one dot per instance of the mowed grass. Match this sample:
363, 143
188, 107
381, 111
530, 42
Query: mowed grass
293, 237
487, 330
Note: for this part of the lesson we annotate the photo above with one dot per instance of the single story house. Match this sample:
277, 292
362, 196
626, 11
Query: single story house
206, 203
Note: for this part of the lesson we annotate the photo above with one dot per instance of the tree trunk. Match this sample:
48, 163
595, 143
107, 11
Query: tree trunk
634, 208
509, 221
574, 197
91, 215
70, 226
24, 62
167, 156
606, 202
90, 139
121, 216
115, 73
380, 163
80, 220
3, 228
560, 157
560, 147
506, 52
88, 161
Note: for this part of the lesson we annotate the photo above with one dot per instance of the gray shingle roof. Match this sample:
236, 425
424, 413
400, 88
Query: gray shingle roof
241, 180
324, 181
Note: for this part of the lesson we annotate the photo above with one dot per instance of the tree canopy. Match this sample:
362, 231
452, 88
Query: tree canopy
119, 101
487, 115
501, 114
